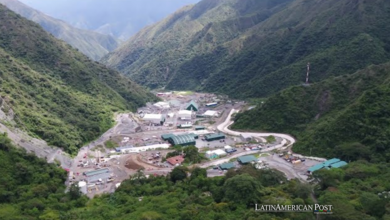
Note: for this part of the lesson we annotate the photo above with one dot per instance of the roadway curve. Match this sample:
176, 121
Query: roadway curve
287, 141
224, 127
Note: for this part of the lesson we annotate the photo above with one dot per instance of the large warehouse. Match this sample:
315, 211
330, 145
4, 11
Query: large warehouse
182, 140
214, 137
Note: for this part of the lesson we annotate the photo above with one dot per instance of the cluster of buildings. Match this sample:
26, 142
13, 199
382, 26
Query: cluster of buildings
215, 154
185, 114
329, 164
242, 160
220, 152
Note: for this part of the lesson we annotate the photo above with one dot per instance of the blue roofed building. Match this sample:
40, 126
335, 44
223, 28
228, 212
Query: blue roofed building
338, 164
329, 164
331, 161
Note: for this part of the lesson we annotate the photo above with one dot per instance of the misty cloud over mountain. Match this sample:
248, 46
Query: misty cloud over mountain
119, 18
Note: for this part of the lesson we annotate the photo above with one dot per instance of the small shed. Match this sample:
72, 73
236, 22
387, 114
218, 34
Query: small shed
186, 125
210, 154
220, 152
246, 137
197, 128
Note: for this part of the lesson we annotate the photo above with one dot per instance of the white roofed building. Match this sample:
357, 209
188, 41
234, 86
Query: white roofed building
210, 113
215, 153
184, 114
153, 118
144, 148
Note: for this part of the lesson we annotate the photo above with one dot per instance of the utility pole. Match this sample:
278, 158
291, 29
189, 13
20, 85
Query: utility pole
308, 72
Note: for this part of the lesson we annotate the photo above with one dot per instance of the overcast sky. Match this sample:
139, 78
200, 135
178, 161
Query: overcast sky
121, 18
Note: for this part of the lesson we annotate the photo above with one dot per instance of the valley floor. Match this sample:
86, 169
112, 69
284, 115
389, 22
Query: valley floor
129, 126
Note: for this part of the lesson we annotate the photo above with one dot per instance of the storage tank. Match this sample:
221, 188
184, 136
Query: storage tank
83, 187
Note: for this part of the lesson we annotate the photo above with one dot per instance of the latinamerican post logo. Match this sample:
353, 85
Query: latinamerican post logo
316, 208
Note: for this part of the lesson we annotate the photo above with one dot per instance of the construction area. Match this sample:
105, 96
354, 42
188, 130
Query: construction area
143, 139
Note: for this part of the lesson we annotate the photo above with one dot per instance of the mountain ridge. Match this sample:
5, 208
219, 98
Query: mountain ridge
252, 49
331, 117
55, 92
94, 45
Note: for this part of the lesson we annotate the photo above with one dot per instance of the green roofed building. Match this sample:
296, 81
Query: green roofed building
192, 106
316, 167
246, 159
330, 162
338, 164
182, 140
197, 128
214, 137
166, 137
227, 166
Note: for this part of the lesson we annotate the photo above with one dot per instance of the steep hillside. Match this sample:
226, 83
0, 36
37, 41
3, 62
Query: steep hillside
248, 48
346, 116
29, 185
55, 92
92, 44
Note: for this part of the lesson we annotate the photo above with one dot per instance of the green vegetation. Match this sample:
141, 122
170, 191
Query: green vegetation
270, 139
55, 92
110, 144
32, 189
191, 154
196, 197
346, 117
249, 49
92, 44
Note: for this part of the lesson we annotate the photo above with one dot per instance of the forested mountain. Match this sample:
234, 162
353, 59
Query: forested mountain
55, 92
118, 18
92, 44
346, 116
254, 48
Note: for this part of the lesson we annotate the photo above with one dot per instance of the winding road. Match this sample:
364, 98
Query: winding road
274, 162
